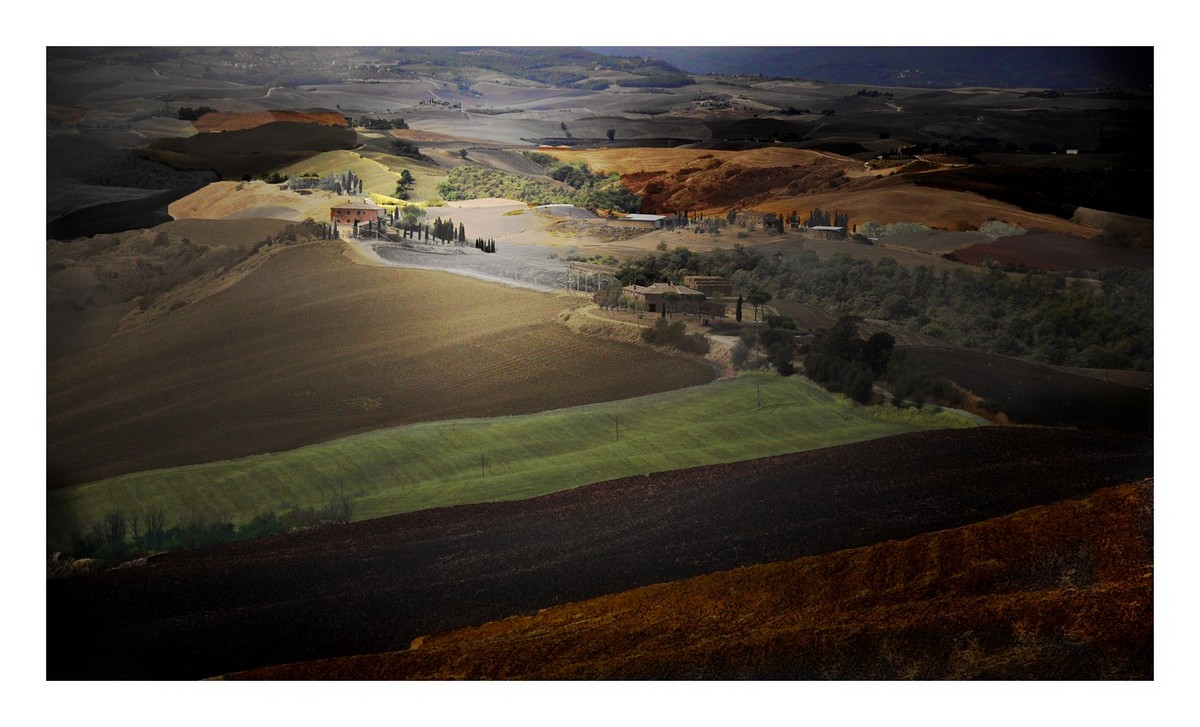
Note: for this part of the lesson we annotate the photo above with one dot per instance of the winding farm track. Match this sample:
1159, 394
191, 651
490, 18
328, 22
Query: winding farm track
375, 586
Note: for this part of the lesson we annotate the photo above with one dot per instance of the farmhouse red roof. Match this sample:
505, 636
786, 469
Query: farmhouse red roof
357, 206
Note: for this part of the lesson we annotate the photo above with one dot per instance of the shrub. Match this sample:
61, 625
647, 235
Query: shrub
674, 335
739, 354
1001, 229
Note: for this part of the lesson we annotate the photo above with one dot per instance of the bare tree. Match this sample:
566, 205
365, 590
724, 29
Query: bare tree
114, 526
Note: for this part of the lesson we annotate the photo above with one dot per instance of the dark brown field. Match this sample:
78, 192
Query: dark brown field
1030, 393
311, 346
233, 120
375, 586
1062, 591
1036, 251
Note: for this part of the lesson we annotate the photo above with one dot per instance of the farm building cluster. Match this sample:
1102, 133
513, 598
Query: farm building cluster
669, 298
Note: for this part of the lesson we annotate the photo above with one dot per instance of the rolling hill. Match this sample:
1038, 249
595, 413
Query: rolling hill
218, 121
251, 151
781, 179
310, 346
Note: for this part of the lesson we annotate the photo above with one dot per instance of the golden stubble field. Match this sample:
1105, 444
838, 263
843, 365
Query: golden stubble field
312, 346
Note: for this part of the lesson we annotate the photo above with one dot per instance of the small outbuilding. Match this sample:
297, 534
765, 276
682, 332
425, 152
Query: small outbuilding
828, 232
653, 222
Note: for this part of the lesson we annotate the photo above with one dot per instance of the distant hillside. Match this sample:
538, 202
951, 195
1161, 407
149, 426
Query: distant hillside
781, 179
555, 66
233, 120
922, 67
251, 151
91, 188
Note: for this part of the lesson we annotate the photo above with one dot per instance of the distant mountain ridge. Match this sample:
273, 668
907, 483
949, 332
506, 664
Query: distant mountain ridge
923, 67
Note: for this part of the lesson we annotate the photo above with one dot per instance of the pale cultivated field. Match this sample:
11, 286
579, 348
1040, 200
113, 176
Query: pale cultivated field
929, 206
223, 200
633, 160
311, 346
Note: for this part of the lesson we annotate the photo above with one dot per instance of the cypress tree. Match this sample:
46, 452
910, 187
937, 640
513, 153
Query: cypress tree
738, 312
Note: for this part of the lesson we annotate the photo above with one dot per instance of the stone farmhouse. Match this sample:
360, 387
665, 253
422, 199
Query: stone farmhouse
352, 212
690, 301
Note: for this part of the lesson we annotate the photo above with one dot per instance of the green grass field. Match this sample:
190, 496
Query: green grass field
438, 464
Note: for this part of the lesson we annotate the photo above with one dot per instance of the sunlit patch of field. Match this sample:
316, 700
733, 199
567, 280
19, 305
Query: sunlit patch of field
284, 358
511, 458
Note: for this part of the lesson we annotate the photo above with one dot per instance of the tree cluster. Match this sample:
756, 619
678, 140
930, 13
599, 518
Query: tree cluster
840, 361
403, 183
822, 218
1043, 317
670, 334
777, 339
187, 113
445, 231
596, 190
368, 122
345, 183
122, 535
602, 192
402, 148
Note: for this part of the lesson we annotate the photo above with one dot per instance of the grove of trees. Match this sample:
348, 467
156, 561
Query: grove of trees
587, 189
1103, 322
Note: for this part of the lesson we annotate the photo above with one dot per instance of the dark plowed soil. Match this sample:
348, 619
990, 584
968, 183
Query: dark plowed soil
1049, 251
376, 585
1029, 393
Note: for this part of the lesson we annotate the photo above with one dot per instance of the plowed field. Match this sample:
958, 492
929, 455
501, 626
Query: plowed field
1055, 252
377, 585
310, 347
234, 120
781, 179
1062, 591
1029, 393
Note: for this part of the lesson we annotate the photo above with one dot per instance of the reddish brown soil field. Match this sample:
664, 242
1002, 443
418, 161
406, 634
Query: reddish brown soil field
309, 347
57, 114
1032, 394
1036, 251
234, 120
1063, 591
781, 179
375, 586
